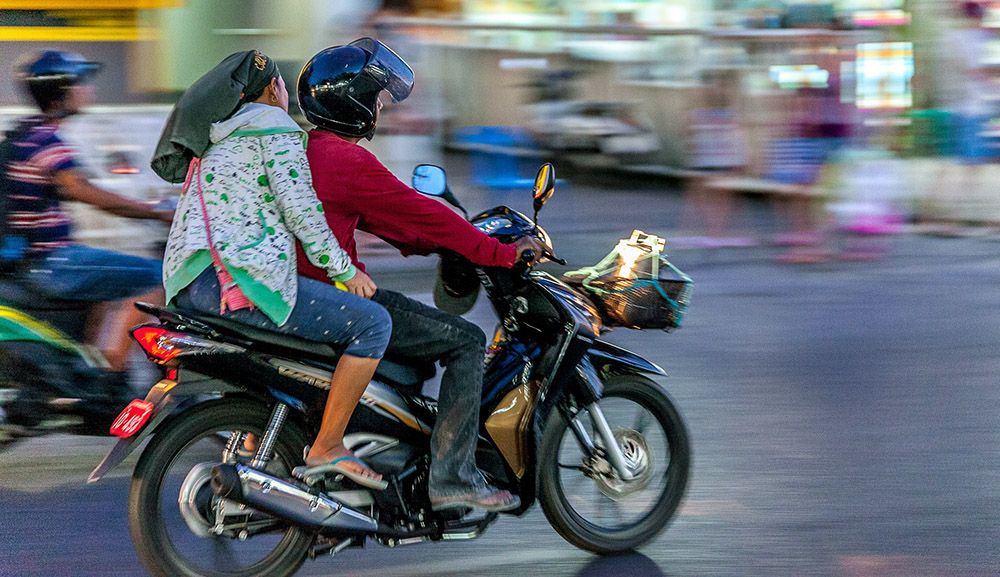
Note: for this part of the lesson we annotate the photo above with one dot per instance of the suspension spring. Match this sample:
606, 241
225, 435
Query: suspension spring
266, 448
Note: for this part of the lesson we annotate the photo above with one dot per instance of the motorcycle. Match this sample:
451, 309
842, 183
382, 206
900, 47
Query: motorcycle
567, 419
49, 380
584, 131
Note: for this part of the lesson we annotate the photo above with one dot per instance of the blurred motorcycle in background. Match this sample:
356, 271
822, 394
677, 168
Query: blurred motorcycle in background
50, 381
586, 131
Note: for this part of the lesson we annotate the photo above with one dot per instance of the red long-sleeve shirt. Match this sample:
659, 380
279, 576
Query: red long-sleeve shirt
358, 192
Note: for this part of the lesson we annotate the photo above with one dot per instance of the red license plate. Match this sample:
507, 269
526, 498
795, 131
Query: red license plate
132, 418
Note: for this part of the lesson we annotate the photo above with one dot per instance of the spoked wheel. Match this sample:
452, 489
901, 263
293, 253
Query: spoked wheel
584, 498
180, 528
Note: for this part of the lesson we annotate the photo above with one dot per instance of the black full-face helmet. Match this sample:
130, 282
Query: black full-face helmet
47, 75
338, 88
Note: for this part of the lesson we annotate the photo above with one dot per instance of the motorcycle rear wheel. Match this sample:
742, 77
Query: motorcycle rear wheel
560, 503
148, 519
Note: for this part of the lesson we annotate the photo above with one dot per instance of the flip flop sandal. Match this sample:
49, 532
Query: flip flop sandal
336, 467
478, 501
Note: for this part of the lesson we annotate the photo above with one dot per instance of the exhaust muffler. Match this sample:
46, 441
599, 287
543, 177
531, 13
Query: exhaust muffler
287, 501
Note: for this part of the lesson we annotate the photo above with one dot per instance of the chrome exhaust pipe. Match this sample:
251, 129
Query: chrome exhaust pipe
285, 500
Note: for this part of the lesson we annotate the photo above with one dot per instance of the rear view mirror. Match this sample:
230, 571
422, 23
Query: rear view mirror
545, 185
430, 180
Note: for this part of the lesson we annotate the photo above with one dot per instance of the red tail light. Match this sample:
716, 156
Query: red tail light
157, 342
164, 346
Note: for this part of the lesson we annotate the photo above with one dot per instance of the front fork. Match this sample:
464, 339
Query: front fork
599, 424
609, 445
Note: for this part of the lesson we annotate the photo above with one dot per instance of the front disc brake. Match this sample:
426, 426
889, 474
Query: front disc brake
639, 461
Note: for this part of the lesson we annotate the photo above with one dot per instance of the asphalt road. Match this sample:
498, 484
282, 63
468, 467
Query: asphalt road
845, 419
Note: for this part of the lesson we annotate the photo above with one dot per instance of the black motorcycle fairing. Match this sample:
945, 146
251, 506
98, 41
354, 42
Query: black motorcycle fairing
401, 372
556, 327
504, 224
503, 369
261, 339
612, 357
579, 310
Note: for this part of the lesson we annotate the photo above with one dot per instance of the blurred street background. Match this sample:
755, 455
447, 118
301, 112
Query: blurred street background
843, 418
825, 170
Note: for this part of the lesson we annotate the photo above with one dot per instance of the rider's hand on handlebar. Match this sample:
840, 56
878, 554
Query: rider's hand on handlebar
361, 285
533, 244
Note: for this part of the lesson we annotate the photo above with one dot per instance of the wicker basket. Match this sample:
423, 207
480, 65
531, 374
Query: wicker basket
635, 286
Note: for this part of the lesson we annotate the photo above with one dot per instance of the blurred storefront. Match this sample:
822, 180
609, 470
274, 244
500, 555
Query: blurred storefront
479, 62
877, 55
115, 32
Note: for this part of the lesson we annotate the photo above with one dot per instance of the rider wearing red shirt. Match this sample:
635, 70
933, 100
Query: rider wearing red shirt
359, 192
338, 91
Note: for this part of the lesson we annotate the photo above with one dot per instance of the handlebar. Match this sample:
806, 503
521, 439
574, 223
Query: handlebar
527, 259
555, 259
523, 265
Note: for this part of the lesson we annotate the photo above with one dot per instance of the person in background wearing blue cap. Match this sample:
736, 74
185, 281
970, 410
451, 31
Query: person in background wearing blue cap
40, 171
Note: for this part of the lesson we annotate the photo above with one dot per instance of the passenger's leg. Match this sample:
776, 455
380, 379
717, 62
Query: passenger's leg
349, 382
325, 314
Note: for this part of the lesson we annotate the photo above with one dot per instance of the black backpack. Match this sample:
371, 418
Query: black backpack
11, 247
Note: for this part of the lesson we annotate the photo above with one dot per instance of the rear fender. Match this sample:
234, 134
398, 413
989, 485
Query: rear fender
166, 396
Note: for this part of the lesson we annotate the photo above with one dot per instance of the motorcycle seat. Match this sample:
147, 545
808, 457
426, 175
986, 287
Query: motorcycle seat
399, 371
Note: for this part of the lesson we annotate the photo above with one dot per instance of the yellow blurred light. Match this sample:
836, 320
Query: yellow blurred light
89, 4
75, 33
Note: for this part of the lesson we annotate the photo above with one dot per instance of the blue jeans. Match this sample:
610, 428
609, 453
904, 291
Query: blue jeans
425, 333
322, 313
89, 274
85, 273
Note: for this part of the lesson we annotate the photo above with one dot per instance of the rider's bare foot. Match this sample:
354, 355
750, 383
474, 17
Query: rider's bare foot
317, 457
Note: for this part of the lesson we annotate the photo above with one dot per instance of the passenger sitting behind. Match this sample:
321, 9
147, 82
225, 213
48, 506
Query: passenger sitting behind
231, 251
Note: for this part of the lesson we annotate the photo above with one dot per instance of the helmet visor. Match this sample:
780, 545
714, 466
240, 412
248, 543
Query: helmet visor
83, 69
386, 68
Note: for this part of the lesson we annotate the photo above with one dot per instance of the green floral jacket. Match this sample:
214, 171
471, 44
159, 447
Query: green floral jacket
258, 192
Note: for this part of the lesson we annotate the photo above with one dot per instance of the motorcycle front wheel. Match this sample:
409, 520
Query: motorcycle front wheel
175, 540
585, 501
